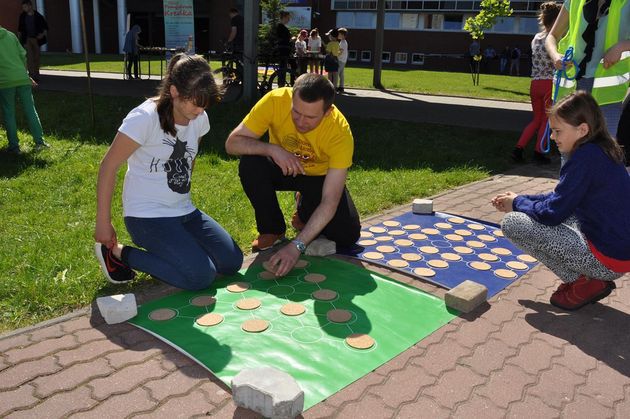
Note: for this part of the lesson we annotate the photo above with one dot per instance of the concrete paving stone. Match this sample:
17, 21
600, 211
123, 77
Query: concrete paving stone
139, 353
216, 391
454, 386
71, 377
506, 385
231, 411
400, 360
402, 386
134, 336
176, 383
488, 356
501, 311
424, 407
15, 342
87, 352
80, 323
441, 357
605, 385
44, 333
23, 372
186, 406
88, 335
173, 360
478, 407
120, 406
41, 349
524, 290
15, 399
58, 406
622, 409
531, 407
515, 333
440, 334
356, 390
319, 411
3, 363
576, 360
535, 356
369, 406
126, 379
586, 407
556, 387
472, 333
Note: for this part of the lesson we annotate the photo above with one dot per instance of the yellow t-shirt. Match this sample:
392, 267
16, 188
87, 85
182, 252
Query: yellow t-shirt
333, 48
330, 145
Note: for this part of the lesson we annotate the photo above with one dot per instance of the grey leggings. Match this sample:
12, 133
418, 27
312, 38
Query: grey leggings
561, 248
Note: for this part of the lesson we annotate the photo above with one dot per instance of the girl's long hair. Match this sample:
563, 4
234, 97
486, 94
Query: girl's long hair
193, 79
580, 107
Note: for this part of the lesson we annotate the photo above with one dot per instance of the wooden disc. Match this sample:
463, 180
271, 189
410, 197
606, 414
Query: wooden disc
480, 266
527, 258
456, 220
267, 275
430, 231
384, 238
397, 263
203, 301
454, 237
488, 257
464, 233
487, 238
360, 341
411, 257
238, 287
378, 230
248, 303
255, 325
437, 263
386, 249
505, 273
502, 251
428, 272
475, 244
338, 315
519, 266
403, 242
162, 314
301, 263
269, 267
391, 223
292, 309
429, 249
411, 227
418, 236
373, 255
443, 226
314, 278
498, 233
463, 250
367, 242
397, 232
324, 295
366, 234
451, 256
476, 227
210, 319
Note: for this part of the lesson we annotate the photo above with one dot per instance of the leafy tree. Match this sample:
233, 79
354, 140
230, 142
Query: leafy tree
490, 11
266, 34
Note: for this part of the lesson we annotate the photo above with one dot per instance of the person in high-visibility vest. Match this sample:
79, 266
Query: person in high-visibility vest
599, 32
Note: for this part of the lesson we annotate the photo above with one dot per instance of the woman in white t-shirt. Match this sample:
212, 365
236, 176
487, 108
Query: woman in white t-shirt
159, 141
314, 49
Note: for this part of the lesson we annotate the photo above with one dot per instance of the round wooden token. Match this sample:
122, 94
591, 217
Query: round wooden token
338, 315
463, 232
377, 230
411, 257
267, 275
430, 231
519, 266
480, 266
501, 251
397, 263
324, 295
360, 341
203, 301
486, 238
437, 263
451, 256
403, 242
505, 273
366, 234
476, 227
301, 263
418, 236
248, 303
397, 232
527, 258
463, 250
454, 237
498, 233
292, 309
386, 249
162, 314
238, 287
314, 278
367, 242
411, 227
429, 249
456, 220
443, 226
384, 238
391, 223
210, 319
255, 325
428, 272
373, 255
475, 244
268, 266
488, 257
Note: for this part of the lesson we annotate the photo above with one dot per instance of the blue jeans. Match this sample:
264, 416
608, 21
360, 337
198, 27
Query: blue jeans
186, 252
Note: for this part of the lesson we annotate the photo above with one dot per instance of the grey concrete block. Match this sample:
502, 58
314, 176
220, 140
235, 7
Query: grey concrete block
422, 206
117, 308
269, 392
321, 246
466, 296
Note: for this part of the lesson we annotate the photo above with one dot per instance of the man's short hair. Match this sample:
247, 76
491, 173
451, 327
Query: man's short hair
311, 87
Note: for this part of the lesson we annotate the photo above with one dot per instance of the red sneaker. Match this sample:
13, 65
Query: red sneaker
585, 290
266, 241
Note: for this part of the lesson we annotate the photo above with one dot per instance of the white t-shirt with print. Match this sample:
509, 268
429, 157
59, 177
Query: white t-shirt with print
314, 44
343, 47
157, 182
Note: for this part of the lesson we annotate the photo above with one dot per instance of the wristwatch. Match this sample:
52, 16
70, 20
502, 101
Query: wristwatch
300, 245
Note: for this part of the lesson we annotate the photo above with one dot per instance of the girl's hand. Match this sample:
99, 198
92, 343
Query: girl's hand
613, 55
105, 233
503, 202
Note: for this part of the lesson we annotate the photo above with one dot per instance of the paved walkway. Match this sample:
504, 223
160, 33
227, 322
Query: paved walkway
515, 357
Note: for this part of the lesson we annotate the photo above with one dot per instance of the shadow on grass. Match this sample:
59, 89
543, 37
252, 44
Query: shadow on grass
12, 165
515, 92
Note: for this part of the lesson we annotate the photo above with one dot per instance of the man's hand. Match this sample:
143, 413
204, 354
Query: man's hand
503, 202
285, 259
288, 162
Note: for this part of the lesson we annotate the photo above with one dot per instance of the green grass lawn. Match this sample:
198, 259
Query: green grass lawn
47, 199
415, 81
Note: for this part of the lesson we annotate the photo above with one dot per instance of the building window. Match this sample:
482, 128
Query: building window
503, 25
452, 23
366, 56
365, 20
417, 58
352, 55
528, 25
392, 20
387, 56
401, 58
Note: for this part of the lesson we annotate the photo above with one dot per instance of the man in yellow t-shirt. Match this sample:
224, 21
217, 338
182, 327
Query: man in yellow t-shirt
309, 151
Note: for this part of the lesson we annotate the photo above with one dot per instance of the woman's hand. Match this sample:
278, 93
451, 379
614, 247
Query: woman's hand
503, 202
105, 233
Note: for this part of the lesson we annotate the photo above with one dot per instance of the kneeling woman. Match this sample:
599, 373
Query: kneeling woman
159, 140
581, 230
